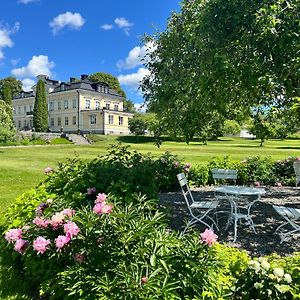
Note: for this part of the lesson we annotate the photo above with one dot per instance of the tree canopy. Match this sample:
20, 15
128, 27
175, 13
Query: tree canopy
14, 84
40, 111
217, 57
7, 130
112, 81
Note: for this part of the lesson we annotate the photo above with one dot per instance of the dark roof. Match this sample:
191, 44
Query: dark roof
24, 94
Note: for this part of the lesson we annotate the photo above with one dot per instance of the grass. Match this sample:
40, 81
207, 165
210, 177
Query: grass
21, 168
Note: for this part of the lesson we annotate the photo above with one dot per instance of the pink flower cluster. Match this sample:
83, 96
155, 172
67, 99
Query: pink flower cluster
100, 205
209, 237
48, 170
13, 235
40, 244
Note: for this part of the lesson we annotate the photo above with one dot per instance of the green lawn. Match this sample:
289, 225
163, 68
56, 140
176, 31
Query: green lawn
22, 168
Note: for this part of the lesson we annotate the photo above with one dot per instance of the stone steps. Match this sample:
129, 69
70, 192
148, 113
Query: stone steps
77, 139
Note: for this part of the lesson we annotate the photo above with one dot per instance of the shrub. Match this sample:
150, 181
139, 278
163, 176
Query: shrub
127, 253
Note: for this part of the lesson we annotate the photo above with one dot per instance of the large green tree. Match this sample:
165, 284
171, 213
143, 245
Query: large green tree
7, 129
112, 81
14, 84
40, 111
219, 56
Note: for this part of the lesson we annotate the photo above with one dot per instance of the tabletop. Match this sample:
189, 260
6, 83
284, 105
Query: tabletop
240, 190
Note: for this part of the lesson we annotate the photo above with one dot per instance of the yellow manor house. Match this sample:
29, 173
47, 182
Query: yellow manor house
75, 106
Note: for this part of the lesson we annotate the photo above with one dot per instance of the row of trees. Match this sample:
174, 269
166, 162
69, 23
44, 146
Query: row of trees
220, 60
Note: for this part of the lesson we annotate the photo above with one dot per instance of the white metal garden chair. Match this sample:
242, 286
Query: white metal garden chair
199, 210
291, 215
297, 171
224, 174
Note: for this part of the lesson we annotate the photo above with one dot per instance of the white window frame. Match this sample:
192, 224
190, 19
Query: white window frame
97, 104
121, 120
66, 104
66, 121
51, 121
107, 105
74, 121
87, 103
110, 119
59, 121
59, 105
74, 103
93, 119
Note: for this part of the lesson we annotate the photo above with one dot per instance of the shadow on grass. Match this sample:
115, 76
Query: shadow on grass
133, 139
287, 147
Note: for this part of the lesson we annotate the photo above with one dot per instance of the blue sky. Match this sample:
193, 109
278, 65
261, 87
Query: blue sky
63, 38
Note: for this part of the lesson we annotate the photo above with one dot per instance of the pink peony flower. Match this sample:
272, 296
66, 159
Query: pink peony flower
101, 208
13, 235
61, 240
144, 280
209, 237
80, 258
91, 190
21, 246
40, 209
57, 220
71, 229
40, 244
107, 208
279, 184
98, 208
101, 198
297, 158
68, 212
48, 170
40, 222
176, 164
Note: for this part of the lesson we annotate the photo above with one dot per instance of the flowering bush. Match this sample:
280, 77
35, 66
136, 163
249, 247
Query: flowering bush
264, 280
124, 252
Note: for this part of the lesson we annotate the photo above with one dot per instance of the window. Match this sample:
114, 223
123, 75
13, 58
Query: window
107, 105
25, 109
66, 121
30, 108
30, 123
87, 104
97, 105
59, 121
51, 105
66, 104
19, 124
120, 120
110, 119
74, 103
93, 119
19, 111
59, 105
116, 107
51, 121
74, 120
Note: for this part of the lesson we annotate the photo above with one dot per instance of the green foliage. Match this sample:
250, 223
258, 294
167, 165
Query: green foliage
14, 84
231, 127
229, 59
129, 105
40, 111
7, 94
7, 130
252, 170
137, 124
59, 141
264, 279
109, 79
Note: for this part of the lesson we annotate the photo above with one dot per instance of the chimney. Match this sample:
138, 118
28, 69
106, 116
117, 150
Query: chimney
84, 77
72, 79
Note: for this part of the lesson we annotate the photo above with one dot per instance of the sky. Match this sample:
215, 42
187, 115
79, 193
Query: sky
64, 38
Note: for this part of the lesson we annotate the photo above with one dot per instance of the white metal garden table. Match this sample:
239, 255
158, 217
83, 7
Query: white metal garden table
235, 195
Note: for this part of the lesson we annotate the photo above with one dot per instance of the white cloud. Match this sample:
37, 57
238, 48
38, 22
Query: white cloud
133, 80
68, 19
107, 26
27, 1
124, 24
136, 57
27, 84
5, 40
37, 65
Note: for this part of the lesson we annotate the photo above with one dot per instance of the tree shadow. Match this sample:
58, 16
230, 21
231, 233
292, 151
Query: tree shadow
289, 147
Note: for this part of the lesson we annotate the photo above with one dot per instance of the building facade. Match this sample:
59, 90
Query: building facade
75, 106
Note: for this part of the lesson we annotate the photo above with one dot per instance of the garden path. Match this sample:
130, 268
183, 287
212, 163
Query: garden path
264, 216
